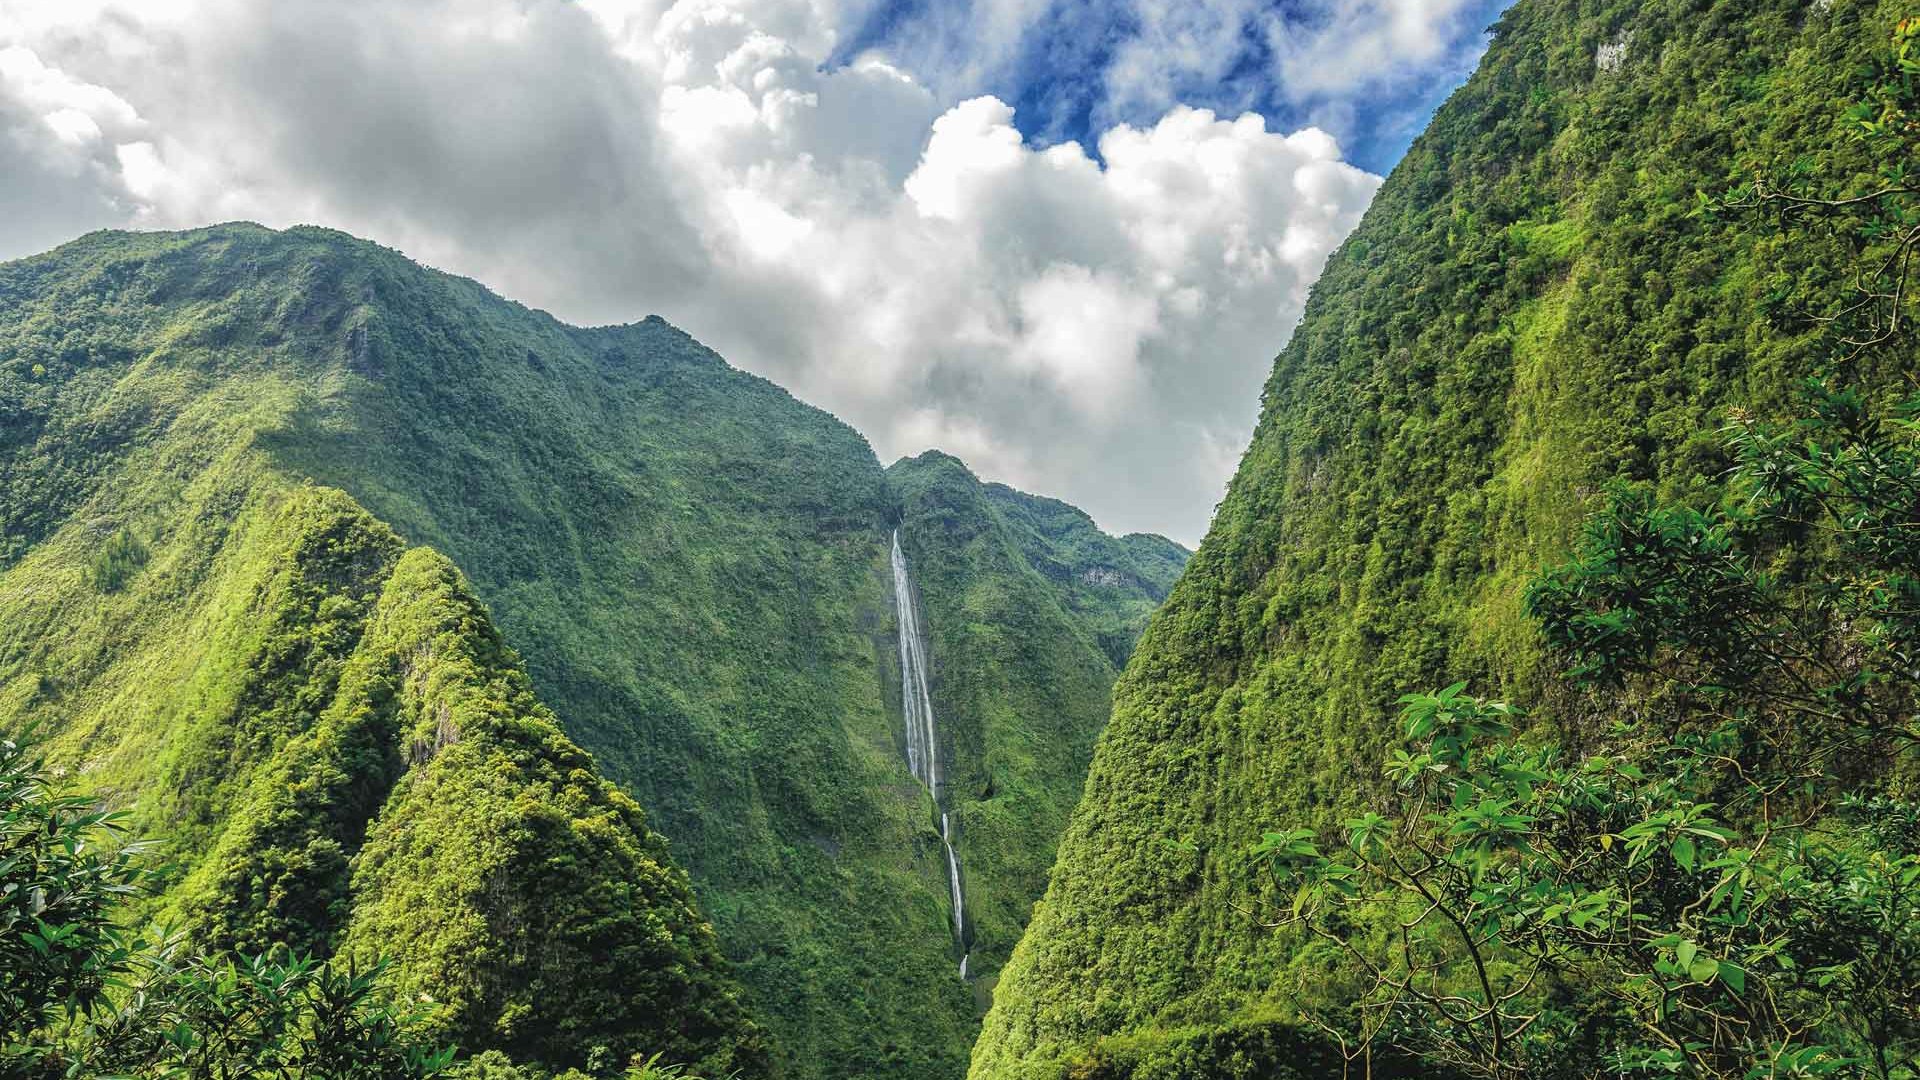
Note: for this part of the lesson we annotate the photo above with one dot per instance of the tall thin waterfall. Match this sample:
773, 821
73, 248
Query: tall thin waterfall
923, 745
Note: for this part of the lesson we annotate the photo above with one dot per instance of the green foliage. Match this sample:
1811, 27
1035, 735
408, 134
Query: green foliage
1723, 890
1249, 1048
562, 932
1877, 222
1548, 916
1796, 603
185, 1015
494, 1065
287, 778
691, 563
83, 994
351, 696
1533, 312
118, 559
686, 551
1110, 585
63, 872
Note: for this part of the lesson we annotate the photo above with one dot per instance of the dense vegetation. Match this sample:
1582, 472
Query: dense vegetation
211, 446
85, 993
1725, 885
1111, 585
381, 782
1534, 309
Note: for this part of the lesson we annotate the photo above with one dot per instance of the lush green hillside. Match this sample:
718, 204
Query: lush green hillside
348, 757
1026, 604
211, 445
1530, 310
1108, 584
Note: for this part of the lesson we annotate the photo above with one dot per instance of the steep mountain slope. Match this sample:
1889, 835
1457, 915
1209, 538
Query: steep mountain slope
329, 726
1530, 310
693, 564
1026, 605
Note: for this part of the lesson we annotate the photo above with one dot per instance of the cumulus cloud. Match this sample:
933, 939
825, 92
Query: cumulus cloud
1089, 325
59, 140
1311, 52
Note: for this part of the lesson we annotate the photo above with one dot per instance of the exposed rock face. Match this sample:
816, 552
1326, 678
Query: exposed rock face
360, 359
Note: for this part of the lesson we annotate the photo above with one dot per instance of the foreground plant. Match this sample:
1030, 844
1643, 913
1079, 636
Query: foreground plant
1534, 914
83, 993
1725, 890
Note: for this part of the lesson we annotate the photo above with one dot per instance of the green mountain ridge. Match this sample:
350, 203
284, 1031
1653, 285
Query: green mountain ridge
1531, 310
211, 445
339, 695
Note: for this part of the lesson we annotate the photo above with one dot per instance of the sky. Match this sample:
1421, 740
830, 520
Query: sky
1061, 239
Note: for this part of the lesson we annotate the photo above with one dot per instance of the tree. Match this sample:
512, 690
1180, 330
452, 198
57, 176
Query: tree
1881, 223
1721, 890
62, 875
84, 993
1534, 914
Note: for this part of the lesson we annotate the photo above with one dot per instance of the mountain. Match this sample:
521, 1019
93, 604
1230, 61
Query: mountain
335, 569
1532, 310
337, 741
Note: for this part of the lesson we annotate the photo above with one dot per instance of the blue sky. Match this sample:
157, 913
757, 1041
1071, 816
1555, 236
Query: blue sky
1057, 74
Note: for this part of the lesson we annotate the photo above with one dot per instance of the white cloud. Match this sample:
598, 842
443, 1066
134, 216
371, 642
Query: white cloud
55, 94
1095, 330
60, 166
1358, 43
1094, 63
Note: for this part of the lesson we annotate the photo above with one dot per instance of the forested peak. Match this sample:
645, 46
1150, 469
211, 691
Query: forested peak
933, 460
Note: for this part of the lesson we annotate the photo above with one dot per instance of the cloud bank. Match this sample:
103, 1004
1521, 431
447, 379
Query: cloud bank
1091, 323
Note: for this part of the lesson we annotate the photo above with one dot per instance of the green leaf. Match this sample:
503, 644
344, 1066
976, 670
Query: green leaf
1734, 976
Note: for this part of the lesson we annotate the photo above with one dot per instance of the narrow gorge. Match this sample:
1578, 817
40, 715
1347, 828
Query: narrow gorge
400, 682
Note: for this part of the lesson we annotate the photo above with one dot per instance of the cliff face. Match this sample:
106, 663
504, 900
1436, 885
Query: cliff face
1530, 310
689, 560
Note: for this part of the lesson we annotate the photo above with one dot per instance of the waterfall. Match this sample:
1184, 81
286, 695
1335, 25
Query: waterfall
923, 746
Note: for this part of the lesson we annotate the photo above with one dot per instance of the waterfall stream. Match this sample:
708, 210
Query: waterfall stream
923, 746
